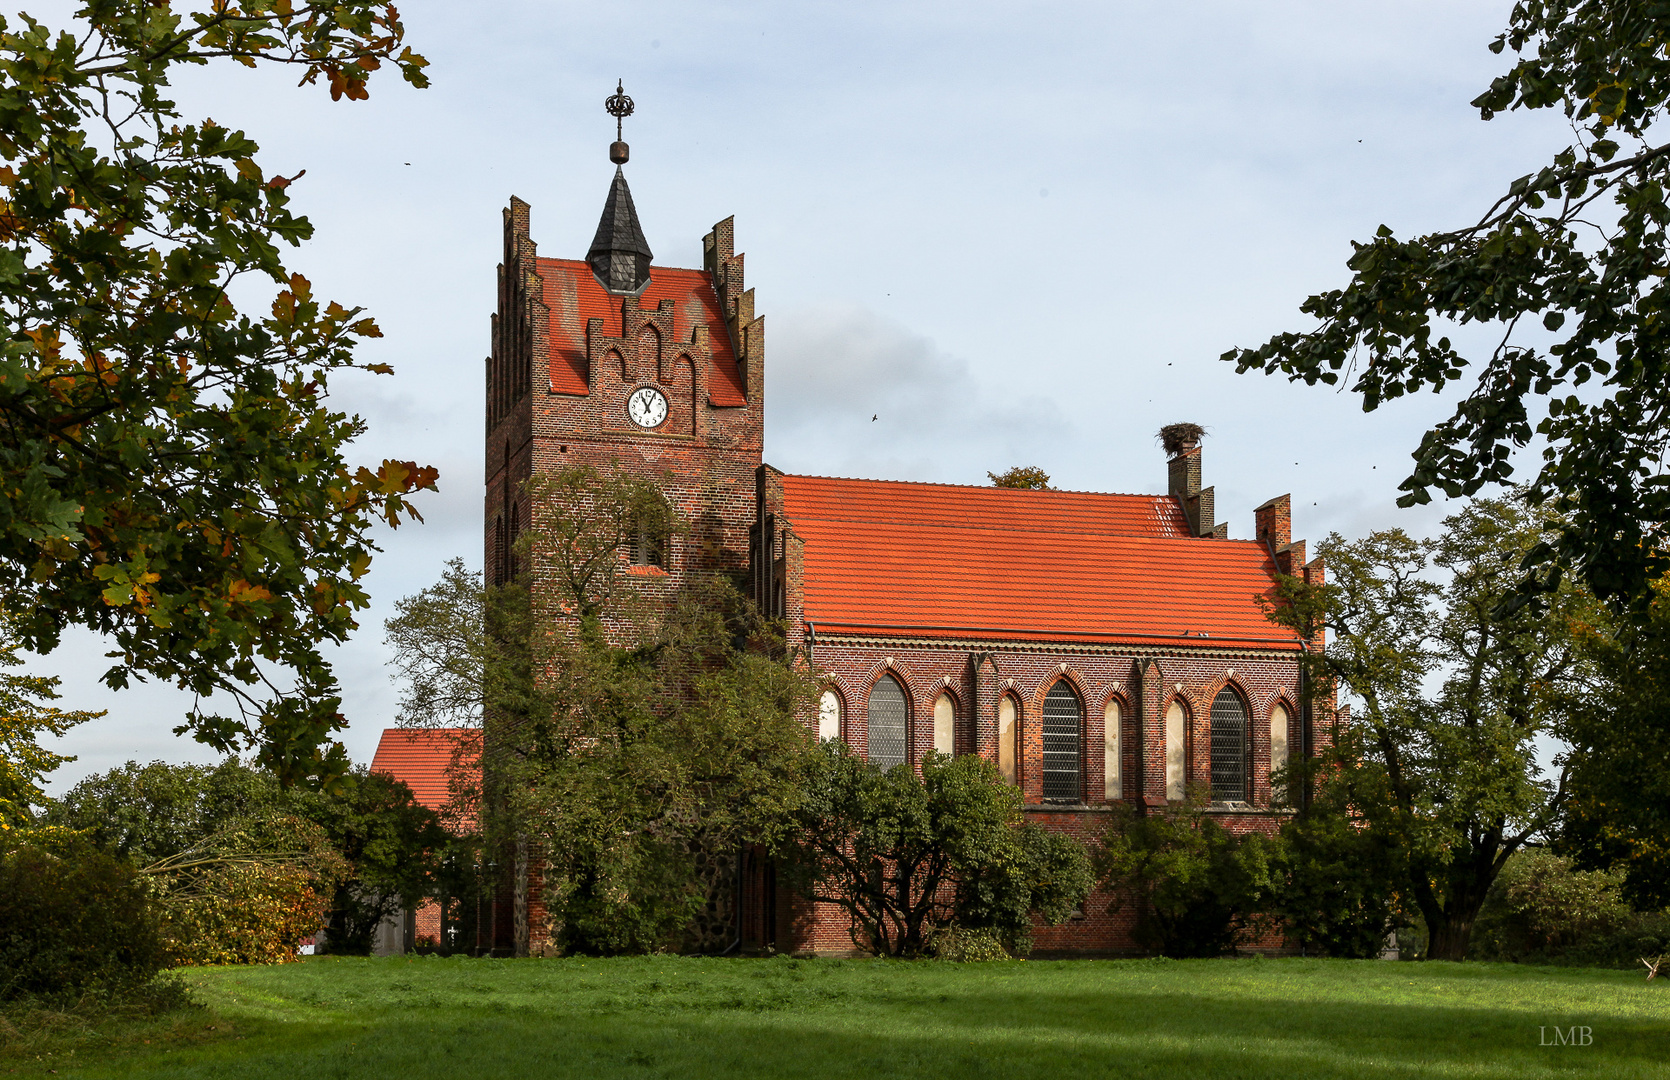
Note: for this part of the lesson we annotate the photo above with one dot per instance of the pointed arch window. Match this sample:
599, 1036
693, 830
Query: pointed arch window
1063, 723
889, 715
1229, 747
829, 715
945, 724
1007, 712
1278, 750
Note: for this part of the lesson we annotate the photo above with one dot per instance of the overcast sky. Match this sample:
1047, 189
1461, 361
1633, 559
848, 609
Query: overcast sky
1016, 233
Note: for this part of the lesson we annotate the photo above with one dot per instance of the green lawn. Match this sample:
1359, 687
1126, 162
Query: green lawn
1063, 1020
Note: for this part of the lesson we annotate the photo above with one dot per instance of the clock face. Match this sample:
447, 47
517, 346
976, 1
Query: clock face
646, 407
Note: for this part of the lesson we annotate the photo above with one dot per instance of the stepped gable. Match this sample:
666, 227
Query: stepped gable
944, 560
573, 295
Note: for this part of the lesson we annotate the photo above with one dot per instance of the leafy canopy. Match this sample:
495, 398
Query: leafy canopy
1618, 815
1440, 763
635, 734
907, 855
170, 473
1196, 887
24, 718
1024, 477
245, 867
1569, 270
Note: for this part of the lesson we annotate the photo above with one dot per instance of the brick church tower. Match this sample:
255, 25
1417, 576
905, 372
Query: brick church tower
615, 362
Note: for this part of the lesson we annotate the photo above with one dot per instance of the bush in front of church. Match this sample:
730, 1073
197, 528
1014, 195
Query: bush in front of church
1197, 889
930, 860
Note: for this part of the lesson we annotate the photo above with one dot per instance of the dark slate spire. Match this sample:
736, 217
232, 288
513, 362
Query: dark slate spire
619, 254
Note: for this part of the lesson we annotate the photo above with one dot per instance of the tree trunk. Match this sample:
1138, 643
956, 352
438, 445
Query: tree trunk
1448, 940
519, 900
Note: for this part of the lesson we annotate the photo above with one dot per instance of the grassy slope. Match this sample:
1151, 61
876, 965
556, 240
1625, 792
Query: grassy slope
687, 1018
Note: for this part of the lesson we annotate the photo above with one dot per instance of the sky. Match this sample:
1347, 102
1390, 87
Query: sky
1012, 233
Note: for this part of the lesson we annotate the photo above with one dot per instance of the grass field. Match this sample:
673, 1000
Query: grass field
681, 1017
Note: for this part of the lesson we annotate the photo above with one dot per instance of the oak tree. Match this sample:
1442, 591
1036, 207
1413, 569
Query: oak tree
171, 475
1568, 269
1438, 766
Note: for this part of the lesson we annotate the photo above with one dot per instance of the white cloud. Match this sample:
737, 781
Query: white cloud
855, 393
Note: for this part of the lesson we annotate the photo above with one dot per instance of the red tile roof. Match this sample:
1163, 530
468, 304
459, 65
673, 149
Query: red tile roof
421, 759
987, 507
980, 562
573, 294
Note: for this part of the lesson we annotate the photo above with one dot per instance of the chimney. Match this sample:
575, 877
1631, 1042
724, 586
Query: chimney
1182, 447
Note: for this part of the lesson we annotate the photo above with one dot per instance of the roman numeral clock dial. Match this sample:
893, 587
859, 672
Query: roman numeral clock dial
646, 407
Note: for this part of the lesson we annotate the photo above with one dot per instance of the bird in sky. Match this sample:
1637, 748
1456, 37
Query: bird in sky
874, 418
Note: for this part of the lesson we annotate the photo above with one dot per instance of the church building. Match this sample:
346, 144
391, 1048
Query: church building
1097, 648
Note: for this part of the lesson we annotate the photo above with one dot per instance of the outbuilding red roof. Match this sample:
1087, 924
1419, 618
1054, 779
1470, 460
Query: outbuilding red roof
574, 295
978, 562
422, 759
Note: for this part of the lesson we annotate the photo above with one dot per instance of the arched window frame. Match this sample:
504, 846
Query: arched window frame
1221, 750
1061, 792
1177, 718
825, 695
945, 692
869, 719
1113, 746
1278, 792
1009, 744
650, 548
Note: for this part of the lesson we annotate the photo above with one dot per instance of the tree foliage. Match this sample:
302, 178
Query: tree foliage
439, 644
245, 868
249, 894
170, 473
640, 770
1618, 728
1454, 689
24, 718
1567, 268
908, 855
1342, 887
635, 737
393, 846
1023, 477
1197, 888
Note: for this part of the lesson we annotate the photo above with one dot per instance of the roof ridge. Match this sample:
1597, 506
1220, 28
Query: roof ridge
1043, 530
985, 527
979, 487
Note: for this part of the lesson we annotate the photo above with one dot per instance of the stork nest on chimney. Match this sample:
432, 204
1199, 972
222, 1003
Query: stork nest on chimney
1177, 438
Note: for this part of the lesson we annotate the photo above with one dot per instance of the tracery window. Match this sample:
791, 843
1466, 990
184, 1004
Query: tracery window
889, 716
1229, 747
1063, 723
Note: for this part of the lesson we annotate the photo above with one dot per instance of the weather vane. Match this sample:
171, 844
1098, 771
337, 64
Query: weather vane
620, 107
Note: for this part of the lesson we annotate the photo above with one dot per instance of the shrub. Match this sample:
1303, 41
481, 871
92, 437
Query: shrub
74, 920
1197, 887
188, 825
966, 946
247, 896
1541, 910
1339, 893
905, 855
